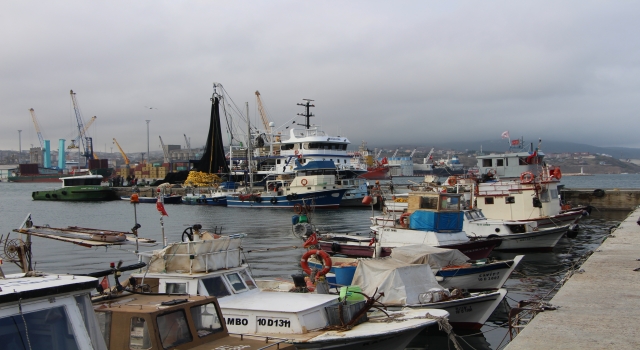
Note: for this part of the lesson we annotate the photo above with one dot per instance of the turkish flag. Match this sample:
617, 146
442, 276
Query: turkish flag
160, 207
105, 283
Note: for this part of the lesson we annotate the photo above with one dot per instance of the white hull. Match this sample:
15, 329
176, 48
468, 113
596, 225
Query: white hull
397, 341
487, 279
470, 312
543, 239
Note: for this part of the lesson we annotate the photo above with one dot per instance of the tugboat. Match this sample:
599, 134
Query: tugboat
78, 188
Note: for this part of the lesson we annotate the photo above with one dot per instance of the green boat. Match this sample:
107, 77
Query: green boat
78, 188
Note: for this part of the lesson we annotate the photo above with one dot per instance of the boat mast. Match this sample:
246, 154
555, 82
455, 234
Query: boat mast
249, 149
307, 113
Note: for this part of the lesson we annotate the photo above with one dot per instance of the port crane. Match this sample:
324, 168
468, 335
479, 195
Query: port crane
84, 141
188, 146
165, 151
35, 123
124, 155
263, 114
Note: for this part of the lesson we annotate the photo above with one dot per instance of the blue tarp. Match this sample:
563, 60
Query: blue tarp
436, 221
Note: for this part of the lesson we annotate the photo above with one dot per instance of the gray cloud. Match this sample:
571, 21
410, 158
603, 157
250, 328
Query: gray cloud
385, 72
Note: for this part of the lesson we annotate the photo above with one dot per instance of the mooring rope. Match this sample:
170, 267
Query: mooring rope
443, 325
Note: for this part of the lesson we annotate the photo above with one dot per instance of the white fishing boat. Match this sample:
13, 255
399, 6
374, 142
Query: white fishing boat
415, 285
451, 268
313, 185
519, 185
515, 235
434, 219
214, 266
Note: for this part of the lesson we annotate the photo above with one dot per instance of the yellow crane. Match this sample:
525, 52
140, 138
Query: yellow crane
35, 123
126, 159
263, 113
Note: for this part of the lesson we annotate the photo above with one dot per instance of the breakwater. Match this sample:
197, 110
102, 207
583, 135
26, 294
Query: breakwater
603, 198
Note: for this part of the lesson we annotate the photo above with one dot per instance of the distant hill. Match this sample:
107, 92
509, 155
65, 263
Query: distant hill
546, 146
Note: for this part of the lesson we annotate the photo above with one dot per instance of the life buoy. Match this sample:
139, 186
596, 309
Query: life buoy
452, 180
273, 200
303, 182
557, 173
298, 208
527, 177
403, 220
326, 262
296, 152
491, 173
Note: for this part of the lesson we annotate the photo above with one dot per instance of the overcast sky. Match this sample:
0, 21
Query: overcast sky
388, 72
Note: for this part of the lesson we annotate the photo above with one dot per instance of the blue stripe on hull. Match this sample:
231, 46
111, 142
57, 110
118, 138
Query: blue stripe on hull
325, 199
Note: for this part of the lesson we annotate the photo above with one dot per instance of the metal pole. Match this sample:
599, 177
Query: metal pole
148, 154
19, 146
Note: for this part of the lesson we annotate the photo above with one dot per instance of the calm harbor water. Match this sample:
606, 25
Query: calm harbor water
536, 275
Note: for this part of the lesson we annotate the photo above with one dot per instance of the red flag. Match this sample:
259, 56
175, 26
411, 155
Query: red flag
532, 156
160, 207
105, 283
312, 240
515, 142
385, 160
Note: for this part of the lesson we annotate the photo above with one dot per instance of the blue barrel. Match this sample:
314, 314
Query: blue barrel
294, 219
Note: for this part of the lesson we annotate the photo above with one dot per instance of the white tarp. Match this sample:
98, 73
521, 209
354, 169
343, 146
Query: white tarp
437, 258
402, 283
198, 256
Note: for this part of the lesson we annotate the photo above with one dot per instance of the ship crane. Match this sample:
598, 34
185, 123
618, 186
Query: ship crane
35, 123
428, 157
413, 152
124, 155
394, 153
263, 114
165, 151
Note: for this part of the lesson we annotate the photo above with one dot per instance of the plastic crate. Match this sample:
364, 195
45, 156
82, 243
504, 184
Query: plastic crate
349, 310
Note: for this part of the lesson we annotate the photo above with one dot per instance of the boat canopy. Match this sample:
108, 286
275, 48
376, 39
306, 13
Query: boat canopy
436, 258
401, 282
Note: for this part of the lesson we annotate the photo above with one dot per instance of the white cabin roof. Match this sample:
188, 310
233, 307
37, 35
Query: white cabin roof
276, 301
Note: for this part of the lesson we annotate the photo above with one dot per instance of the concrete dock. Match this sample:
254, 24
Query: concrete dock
598, 308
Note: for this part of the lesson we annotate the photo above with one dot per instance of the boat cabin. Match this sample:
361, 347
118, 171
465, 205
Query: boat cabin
432, 211
511, 164
215, 268
83, 180
48, 312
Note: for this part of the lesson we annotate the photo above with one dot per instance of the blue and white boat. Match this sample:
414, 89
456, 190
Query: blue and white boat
314, 185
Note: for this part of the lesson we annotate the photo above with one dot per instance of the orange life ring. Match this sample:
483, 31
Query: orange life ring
557, 173
298, 208
452, 181
491, 173
403, 220
303, 182
326, 262
527, 177
296, 152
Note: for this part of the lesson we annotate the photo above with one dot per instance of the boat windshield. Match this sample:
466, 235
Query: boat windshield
174, 329
206, 319
52, 326
94, 181
215, 287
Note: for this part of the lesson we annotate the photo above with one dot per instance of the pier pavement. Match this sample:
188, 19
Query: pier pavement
598, 307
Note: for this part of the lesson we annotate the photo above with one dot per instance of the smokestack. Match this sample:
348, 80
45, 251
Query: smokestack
61, 149
47, 154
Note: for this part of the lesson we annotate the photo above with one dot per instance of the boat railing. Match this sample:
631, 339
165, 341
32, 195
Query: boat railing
196, 256
277, 343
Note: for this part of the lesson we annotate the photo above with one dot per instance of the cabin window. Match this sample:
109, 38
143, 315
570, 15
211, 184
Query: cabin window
47, 329
104, 322
488, 200
544, 196
236, 282
86, 310
487, 163
176, 288
206, 319
499, 162
83, 181
509, 200
215, 286
247, 280
553, 193
429, 203
174, 329
286, 146
139, 334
